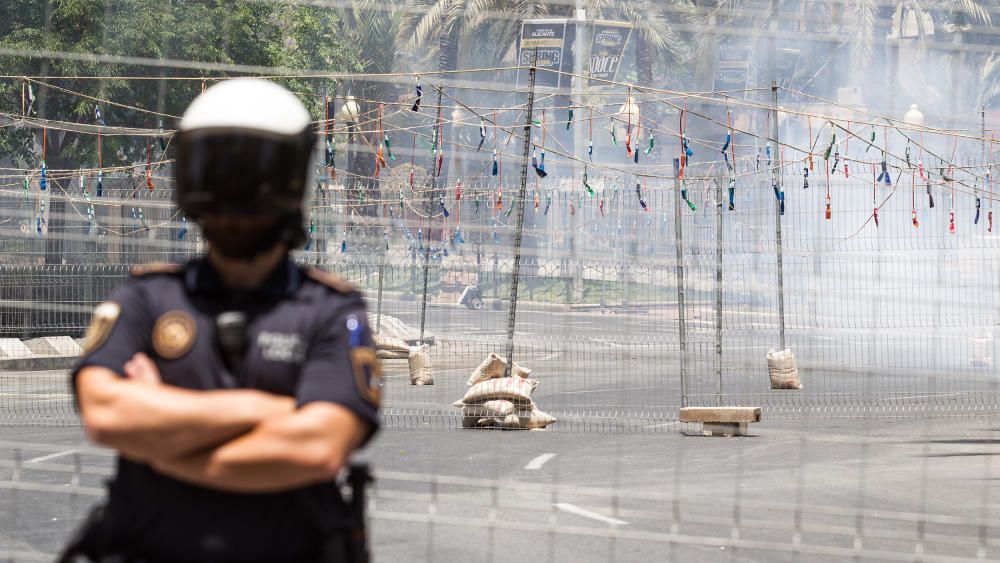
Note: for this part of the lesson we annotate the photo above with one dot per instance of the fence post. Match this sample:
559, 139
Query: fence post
430, 214
679, 245
776, 179
522, 194
381, 277
718, 288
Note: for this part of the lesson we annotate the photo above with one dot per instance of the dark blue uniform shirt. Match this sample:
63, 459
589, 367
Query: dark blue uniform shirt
302, 326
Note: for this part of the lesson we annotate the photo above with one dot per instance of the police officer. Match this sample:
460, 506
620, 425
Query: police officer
234, 387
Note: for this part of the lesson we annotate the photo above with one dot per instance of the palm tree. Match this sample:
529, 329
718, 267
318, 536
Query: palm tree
372, 29
438, 26
989, 90
653, 21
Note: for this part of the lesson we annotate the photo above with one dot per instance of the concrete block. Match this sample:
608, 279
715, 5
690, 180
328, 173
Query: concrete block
14, 349
59, 346
727, 415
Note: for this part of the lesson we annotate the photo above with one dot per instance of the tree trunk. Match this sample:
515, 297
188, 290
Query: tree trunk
447, 61
644, 61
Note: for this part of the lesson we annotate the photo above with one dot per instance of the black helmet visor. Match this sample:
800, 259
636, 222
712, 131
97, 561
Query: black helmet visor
227, 171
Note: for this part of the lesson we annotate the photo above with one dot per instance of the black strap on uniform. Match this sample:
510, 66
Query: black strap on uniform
358, 479
231, 338
348, 544
89, 540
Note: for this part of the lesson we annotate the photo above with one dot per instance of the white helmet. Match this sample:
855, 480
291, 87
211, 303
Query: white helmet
244, 146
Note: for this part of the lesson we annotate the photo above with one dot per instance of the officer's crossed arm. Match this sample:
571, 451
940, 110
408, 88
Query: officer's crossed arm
144, 419
338, 396
124, 405
286, 452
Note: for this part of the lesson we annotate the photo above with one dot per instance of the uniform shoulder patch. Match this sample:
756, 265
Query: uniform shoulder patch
103, 320
156, 268
331, 280
367, 374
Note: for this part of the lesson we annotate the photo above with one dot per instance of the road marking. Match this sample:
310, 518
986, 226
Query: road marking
53, 456
539, 461
574, 509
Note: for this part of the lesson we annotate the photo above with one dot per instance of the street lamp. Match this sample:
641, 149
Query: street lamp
629, 108
914, 116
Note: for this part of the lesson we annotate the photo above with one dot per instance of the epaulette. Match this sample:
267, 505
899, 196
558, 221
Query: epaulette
156, 268
331, 280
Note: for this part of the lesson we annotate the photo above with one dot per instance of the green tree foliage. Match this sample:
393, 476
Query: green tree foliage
236, 32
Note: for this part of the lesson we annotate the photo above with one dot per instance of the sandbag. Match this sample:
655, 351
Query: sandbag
392, 354
477, 422
494, 367
513, 389
782, 370
420, 365
528, 419
498, 409
390, 343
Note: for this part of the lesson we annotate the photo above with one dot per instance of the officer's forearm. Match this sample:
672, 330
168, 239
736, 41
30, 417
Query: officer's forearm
287, 452
144, 421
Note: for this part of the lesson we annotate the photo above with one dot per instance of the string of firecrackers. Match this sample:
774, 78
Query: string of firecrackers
706, 96
640, 196
712, 98
419, 192
882, 120
827, 120
885, 177
619, 170
455, 122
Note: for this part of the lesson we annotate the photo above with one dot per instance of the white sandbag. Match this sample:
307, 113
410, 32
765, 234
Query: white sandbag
420, 365
390, 343
528, 419
496, 409
782, 369
392, 354
476, 422
494, 367
513, 389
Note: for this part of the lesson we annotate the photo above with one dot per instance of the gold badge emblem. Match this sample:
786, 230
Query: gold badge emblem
101, 322
367, 374
173, 335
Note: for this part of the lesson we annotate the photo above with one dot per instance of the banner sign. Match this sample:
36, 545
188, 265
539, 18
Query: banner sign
549, 37
732, 68
607, 49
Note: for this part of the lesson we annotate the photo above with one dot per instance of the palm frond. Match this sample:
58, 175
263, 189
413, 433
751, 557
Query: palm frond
989, 81
862, 42
421, 22
976, 10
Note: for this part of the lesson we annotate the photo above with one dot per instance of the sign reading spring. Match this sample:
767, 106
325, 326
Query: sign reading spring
549, 37
607, 49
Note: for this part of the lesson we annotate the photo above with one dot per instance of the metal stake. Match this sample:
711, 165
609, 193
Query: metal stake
679, 245
718, 288
430, 211
526, 149
776, 179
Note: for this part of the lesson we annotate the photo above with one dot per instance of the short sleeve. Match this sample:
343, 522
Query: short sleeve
119, 328
341, 366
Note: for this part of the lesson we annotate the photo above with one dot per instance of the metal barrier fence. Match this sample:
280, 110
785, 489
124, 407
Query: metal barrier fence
885, 319
858, 491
